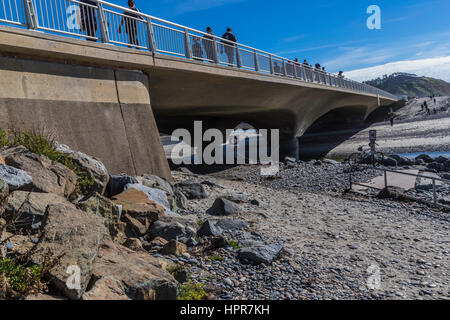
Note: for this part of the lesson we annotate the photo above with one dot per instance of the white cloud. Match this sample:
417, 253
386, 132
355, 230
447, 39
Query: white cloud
434, 67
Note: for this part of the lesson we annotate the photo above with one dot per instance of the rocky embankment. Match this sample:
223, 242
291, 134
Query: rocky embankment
233, 235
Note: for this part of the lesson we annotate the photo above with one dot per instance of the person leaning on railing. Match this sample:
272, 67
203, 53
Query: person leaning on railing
130, 22
88, 19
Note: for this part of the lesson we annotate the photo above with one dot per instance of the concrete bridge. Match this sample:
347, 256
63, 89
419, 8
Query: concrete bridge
103, 98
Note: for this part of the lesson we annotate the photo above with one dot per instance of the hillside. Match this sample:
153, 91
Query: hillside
411, 85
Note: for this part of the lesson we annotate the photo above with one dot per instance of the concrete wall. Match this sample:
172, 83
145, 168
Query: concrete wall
102, 112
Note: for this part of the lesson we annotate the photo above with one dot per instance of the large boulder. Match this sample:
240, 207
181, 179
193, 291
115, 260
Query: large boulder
92, 167
180, 199
447, 165
76, 235
31, 207
107, 288
136, 204
4, 192
232, 224
402, 161
192, 190
441, 159
168, 228
209, 229
436, 166
426, 158
142, 276
117, 183
152, 181
389, 162
111, 212
48, 176
155, 195
261, 253
223, 207
15, 178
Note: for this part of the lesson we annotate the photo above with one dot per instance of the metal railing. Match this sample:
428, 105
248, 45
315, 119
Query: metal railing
386, 181
102, 21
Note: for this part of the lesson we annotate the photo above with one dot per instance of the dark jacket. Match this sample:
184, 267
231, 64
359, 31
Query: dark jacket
229, 36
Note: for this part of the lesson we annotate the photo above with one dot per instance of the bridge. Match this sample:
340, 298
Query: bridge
110, 96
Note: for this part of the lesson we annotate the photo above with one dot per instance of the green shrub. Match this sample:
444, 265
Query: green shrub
22, 280
216, 257
192, 291
234, 244
43, 144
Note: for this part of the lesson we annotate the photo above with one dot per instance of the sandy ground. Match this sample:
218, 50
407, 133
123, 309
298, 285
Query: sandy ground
337, 241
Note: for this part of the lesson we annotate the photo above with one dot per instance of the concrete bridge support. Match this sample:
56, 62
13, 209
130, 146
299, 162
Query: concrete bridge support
103, 112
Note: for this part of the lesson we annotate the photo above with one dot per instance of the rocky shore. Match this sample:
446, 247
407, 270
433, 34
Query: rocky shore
228, 235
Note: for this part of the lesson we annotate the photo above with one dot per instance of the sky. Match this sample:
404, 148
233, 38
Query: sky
330, 32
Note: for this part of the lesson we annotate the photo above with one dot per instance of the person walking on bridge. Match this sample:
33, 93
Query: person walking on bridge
209, 44
130, 21
229, 44
88, 18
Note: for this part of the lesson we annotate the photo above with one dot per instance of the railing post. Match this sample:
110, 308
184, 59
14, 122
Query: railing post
102, 24
256, 61
187, 44
30, 14
294, 72
385, 179
271, 64
284, 69
238, 57
216, 51
151, 37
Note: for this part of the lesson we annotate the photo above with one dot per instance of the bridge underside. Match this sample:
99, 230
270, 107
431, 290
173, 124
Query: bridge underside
82, 90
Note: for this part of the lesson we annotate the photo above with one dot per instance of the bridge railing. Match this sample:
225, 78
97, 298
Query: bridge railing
99, 20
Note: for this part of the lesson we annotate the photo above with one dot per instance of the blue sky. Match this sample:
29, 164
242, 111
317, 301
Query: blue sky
331, 32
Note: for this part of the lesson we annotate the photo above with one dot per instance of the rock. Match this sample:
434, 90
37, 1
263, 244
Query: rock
92, 167
155, 195
159, 242
447, 165
209, 229
77, 236
261, 254
317, 163
441, 159
436, 166
192, 190
15, 178
9, 246
231, 224
402, 161
134, 227
180, 199
107, 288
424, 187
173, 229
32, 207
389, 162
331, 161
419, 162
191, 242
174, 247
219, 242
446, 176
181, 275
142, 276
133, 244
47, 176
4, 192
445, 201
289, 160
105, 208
2, 161
236, 197
152, 181
136, 204
426, 158
223, 207
117, 183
